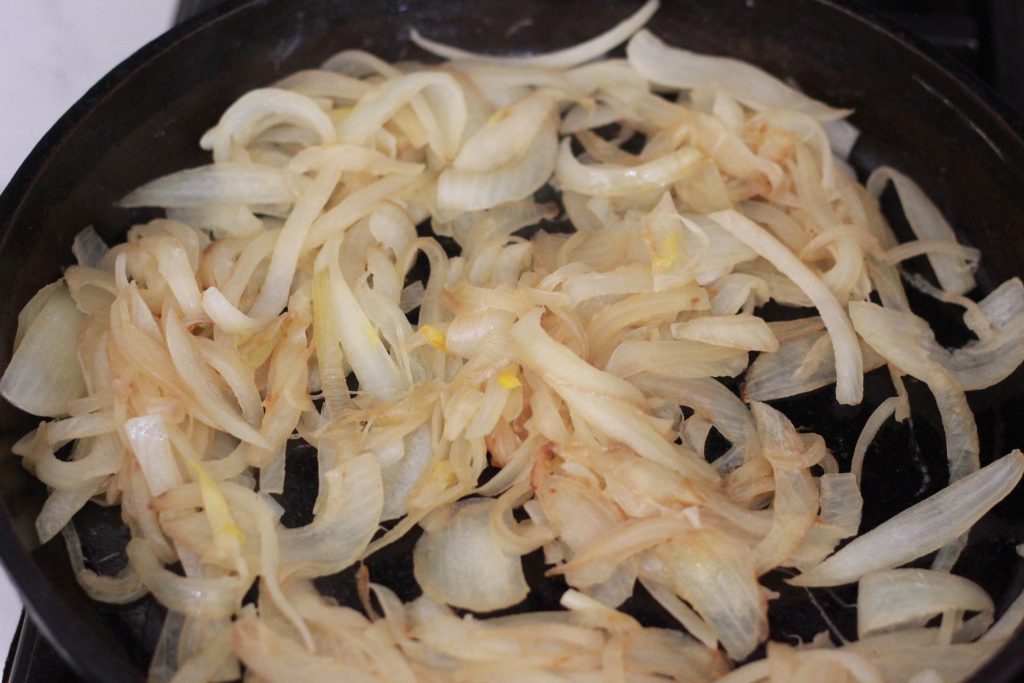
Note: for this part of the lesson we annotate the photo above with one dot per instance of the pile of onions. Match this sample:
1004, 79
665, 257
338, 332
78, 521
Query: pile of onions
275, 303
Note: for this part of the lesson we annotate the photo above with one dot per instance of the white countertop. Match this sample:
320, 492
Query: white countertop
51, 52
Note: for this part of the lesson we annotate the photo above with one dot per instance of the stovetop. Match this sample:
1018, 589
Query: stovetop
984, 36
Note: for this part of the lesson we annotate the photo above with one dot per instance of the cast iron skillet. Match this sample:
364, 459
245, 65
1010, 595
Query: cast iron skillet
145, 118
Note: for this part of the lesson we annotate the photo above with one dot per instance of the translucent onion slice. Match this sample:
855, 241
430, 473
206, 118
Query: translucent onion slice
921, 528
359, 64
682, 69
44, 375
260, 110
504, 648
903, 339
983, 363
211, 658
811, 133
514, 537
616, 413
849, 362
906, 653
574, 509
379, 106
672, 654
349, 511
89, 248
175, 266
609, 323
230, 365
778, 221
841, 502
459, 190
365, 352
598, 561
718, 405
284, 260
842, 136
207, 598
216, 184
908, 250
1009, 622
261, 514
682, 613
93, 459
780, 288
910, 597
152, 448
675, 358
275, 657
874, 423
121, 589
820, 542
200, 379
564, 59
1005, 303
322, 83
737, 293
746, 332
165, 656
715, 573
778, 375
34, 305
59, 508
953, 271
609, 180
459, 560
400, 477
507, 135
795, 504
807, 665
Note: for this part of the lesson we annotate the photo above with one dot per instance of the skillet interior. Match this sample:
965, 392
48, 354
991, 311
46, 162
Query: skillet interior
145, 119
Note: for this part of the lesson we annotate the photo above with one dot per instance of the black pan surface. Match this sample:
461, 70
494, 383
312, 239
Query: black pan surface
145, 118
